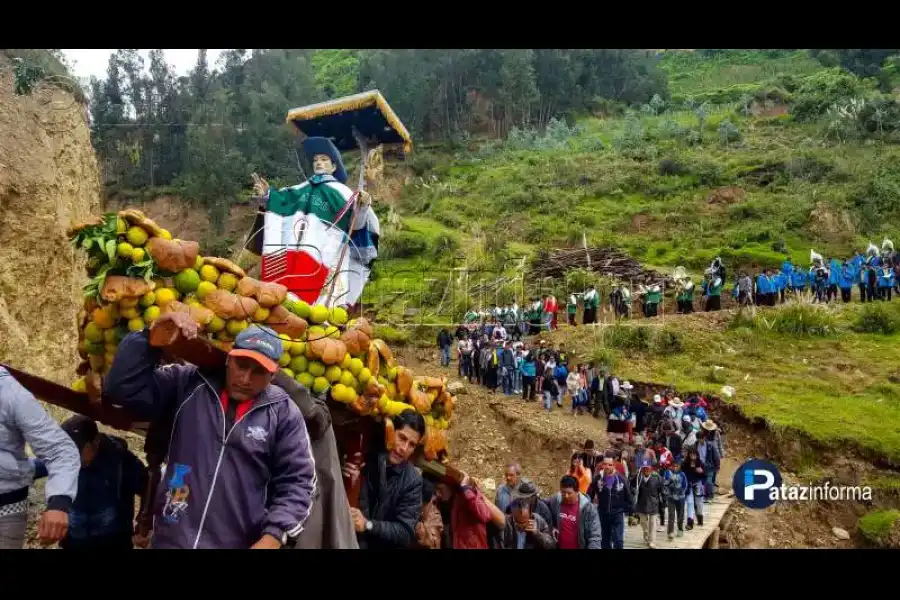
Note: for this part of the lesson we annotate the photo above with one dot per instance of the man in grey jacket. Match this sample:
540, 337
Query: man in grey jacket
23, 420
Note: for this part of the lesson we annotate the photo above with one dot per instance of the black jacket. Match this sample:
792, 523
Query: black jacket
613, 501
542, 539
103, 511
390, 497
674, 444
649, 494
444, 339
690, 469
538, 507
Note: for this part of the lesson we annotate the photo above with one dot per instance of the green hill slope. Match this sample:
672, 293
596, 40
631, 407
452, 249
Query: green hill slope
808, 149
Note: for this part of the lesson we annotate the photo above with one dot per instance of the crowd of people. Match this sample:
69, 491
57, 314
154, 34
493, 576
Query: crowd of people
659, 470
485, 357
231, 433
876, 276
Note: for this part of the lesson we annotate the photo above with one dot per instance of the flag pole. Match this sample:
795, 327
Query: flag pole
363, 149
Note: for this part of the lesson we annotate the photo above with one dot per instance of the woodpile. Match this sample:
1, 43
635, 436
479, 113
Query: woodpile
608, 262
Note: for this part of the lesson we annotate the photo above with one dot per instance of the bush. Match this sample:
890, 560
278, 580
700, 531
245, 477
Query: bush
881, 197
799, 319
729, 133
820, 91
394, 337
422, 163
643, 339
877, 318
632, 136
402, 244
670, 166
605, 357
668, 341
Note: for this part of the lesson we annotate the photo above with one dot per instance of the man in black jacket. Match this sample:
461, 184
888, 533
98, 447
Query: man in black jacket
390, 498
612, 495
526, 491
526, 531
649, 493
445, 341
111, 476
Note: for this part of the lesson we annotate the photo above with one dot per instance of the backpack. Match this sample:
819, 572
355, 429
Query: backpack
560, 373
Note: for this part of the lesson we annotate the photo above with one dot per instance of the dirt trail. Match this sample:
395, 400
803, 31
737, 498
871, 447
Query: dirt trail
488, 430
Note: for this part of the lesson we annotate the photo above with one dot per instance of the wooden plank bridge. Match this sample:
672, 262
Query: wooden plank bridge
694, 539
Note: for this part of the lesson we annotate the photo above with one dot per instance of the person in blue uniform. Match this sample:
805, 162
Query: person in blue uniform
834, 276
798, 280
846, 277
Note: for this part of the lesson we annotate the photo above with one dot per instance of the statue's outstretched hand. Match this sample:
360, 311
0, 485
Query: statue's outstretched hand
260, 185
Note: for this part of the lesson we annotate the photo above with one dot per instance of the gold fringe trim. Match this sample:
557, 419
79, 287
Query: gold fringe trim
349, 103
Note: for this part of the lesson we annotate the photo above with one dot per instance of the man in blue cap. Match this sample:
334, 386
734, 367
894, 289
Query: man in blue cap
240, 471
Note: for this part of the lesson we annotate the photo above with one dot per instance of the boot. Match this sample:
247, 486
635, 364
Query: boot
700, 520
690, 524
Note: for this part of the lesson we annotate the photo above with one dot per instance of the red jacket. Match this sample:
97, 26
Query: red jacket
468, 518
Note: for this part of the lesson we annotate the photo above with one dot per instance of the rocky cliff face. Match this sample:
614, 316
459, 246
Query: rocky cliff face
48, 180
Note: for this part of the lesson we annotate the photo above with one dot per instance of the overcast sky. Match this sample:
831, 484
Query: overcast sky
87, 63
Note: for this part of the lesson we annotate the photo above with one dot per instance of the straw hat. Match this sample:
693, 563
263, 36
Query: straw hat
709, 425
676, 403
657, 399
627, 386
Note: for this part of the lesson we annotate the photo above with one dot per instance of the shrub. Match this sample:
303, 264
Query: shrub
444, 244
670, 166
877, 318
820, 91
729, 133
799, 319
668, 341
394, 337
643, 339
632, 135
605, 357
421, 163
402, 244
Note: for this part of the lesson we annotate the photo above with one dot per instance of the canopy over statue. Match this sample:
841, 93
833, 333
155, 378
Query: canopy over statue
320, 238
367, 112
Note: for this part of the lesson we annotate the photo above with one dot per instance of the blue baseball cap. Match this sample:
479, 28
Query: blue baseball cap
261, 344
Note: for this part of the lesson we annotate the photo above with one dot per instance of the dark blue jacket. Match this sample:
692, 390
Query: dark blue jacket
103, 511
614, 501
221, 488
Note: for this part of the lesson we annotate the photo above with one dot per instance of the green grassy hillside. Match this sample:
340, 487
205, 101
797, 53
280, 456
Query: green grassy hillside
814, 170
